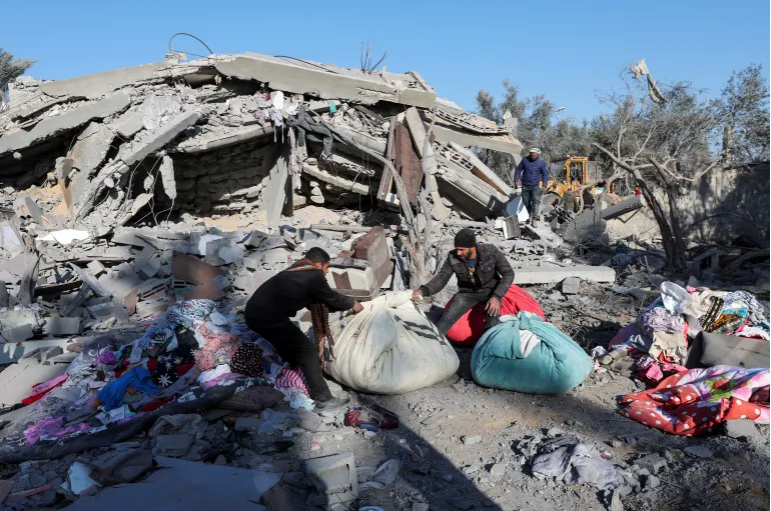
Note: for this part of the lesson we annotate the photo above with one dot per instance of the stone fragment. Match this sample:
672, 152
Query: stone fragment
698, 451
471, 440
571, 286
173, 445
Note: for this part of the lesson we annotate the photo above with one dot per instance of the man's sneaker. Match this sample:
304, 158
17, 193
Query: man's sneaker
333, 403
534, 223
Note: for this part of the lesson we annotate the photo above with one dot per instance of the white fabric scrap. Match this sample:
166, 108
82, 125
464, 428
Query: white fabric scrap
66, 236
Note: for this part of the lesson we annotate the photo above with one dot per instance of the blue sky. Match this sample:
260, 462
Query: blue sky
567, 50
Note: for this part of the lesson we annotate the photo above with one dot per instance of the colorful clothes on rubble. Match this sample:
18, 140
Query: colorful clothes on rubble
713, 312
137, 378
755, 311
726, 324
247, 361
51, 427
217, 346
694, 402
41, 389
190, 313
658, 319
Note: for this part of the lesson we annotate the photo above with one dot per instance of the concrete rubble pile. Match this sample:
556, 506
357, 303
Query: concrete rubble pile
141, 207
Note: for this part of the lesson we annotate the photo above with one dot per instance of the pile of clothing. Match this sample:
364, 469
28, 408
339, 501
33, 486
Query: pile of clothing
660, 342
184, 353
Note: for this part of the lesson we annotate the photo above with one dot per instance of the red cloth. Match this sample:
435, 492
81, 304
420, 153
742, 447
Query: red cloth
468, 329
41, 389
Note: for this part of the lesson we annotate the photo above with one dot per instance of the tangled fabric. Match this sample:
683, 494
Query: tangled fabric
191, 313
755, 311
51, 427
319, 318
658, 319
218, 346
137, 378
694, 402
247, 361
713, 312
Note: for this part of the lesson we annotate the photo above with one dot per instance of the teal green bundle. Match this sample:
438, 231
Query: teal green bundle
555, 365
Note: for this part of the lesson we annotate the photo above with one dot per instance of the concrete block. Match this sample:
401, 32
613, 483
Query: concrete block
252, 282
744, 430
128, 124
571, 286
62, 326
556, 274
653, 463
96, 268
334, 474
98, 84
173, 445
18, 333
355, 282
471, 439
53, 126
373, 247
275, 256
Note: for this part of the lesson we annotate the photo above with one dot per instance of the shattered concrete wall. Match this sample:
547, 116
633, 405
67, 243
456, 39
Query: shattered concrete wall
222, 181
732, 202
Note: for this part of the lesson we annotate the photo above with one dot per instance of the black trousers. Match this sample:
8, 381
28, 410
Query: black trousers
299, 352
461, 304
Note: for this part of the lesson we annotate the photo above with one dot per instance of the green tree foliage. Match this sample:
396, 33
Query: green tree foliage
11, 68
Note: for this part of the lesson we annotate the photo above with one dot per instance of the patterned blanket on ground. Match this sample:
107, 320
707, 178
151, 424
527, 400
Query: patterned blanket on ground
694, 402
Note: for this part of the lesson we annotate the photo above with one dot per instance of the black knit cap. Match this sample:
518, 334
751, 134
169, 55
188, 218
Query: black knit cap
465, 239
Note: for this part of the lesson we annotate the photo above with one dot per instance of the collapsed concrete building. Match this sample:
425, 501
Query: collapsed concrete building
233, 133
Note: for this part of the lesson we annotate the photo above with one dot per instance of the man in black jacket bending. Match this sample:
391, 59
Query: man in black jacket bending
279, 298
484, 275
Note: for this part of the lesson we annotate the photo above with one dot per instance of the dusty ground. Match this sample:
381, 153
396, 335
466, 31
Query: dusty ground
440, 470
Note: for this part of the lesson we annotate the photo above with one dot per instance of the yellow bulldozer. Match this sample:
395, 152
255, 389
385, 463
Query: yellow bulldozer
570, 178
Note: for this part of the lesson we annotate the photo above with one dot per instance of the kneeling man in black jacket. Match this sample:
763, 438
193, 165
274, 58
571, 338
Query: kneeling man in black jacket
484, 275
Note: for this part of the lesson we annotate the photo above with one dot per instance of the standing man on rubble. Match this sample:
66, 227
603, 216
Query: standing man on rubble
532, 170
270, 308
484, 275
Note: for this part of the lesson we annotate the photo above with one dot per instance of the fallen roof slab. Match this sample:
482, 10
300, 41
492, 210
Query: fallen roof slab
185, 485
99, 84
323, 81
499, 143
623, 207
53, 126
556, 274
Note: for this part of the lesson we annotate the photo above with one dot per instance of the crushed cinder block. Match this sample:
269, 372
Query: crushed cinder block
18, 333
173, 445
57, 326
652, 462
334, 474
571, 286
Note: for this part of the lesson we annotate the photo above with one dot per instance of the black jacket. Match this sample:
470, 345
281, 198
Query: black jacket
493, 273
281, 296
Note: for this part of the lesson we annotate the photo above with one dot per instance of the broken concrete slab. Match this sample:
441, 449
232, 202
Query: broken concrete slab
173, 445
326, 81
277, 188
156, 139
17, 333
98, 84
185, 485
128, 124
556, 274
53, 126
338, 181
623, 207
91, 147
17, 380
